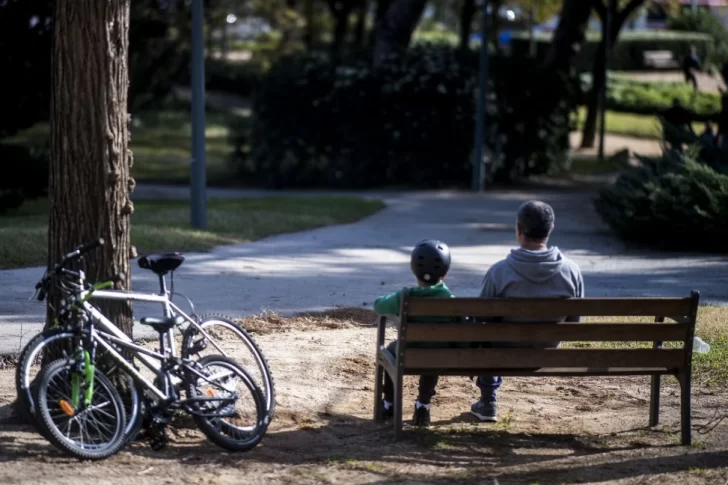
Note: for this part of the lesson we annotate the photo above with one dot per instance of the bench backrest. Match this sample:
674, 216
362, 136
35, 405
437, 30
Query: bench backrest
459, 358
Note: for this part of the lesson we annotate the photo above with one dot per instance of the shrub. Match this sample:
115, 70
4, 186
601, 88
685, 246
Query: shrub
25, 174
628, 52
651, 97
408, 122
239, 78
674, 201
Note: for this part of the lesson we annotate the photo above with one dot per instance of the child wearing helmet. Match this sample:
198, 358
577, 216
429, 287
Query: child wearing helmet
430, 263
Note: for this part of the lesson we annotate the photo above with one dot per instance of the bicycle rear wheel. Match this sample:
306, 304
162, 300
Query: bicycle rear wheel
24, 372
237, 425
90, 432
228, 336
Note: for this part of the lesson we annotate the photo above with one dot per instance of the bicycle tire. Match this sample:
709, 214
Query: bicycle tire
215, 429
24, 386
268, 387
115, 443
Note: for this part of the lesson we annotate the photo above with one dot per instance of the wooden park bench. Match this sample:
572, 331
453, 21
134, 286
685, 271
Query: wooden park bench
469, 360
659, 59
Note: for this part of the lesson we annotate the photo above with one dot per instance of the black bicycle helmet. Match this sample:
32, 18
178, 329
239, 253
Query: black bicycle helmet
430, 260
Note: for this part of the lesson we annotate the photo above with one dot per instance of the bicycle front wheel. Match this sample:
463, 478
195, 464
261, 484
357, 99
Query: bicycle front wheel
26, 381
233, 341
92, 431
226, 404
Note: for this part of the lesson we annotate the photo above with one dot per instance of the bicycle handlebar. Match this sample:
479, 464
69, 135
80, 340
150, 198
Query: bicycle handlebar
60, 268
78, 252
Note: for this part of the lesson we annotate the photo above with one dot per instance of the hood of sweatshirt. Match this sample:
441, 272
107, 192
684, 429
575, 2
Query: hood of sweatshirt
536, 266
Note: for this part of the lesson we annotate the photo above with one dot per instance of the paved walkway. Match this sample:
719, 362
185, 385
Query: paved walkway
353, 264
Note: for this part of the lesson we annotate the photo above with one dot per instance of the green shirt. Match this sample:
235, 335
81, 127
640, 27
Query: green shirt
390, 304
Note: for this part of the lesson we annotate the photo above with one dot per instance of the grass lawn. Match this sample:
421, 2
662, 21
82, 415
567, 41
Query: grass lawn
627, 124
711, 369
164, 225
161, 144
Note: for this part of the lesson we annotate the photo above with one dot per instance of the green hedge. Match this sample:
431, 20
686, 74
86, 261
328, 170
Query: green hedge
652, 97
628, 53
409, 122
24, 174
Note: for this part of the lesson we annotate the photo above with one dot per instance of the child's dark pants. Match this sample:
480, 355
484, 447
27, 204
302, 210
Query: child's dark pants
427, 383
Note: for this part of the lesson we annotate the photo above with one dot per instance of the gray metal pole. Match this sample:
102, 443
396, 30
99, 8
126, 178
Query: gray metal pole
478, 175
198, 169
611, 7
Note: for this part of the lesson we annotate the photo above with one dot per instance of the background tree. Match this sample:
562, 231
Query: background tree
90, 160
569, 35
618, 18
394, 29
25, 46
467, 14
340, 10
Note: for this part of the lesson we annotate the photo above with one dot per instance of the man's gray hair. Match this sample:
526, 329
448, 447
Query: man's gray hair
536, 220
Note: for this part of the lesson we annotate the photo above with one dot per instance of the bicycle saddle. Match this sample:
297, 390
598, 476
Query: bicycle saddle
161, 263
162, 325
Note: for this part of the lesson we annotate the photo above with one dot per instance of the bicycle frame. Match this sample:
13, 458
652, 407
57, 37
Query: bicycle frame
169, 309
144, 355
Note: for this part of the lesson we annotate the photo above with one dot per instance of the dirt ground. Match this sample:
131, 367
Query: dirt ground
551, 430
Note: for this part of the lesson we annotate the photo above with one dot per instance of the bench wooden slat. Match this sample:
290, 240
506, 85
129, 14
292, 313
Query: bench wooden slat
546, 332
547, 307
549, 371
537, 358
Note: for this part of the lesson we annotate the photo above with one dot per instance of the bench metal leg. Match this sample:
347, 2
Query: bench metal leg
685, 408
655, 400
378, 381
398, 388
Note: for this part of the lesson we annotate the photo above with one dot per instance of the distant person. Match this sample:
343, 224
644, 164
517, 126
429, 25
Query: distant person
708, 135
677, 122
691, 63
709, 145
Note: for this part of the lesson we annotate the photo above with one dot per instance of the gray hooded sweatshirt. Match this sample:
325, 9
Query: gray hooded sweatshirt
535, 274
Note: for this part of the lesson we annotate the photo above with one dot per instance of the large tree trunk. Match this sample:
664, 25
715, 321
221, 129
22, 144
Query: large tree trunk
588, 138
309, 34
90, 180
381, 11
589, 133
394, 31
569, 35
361, 22
467, 13
340, 12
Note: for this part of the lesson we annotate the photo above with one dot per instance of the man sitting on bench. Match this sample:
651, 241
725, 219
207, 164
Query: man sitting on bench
534, 270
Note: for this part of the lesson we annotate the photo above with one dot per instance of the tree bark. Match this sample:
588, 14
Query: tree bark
361, 23
340, 11
569, 35
589, 133
467, 13
90, 180
619, 17
394, 32
310, 32
494, 25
